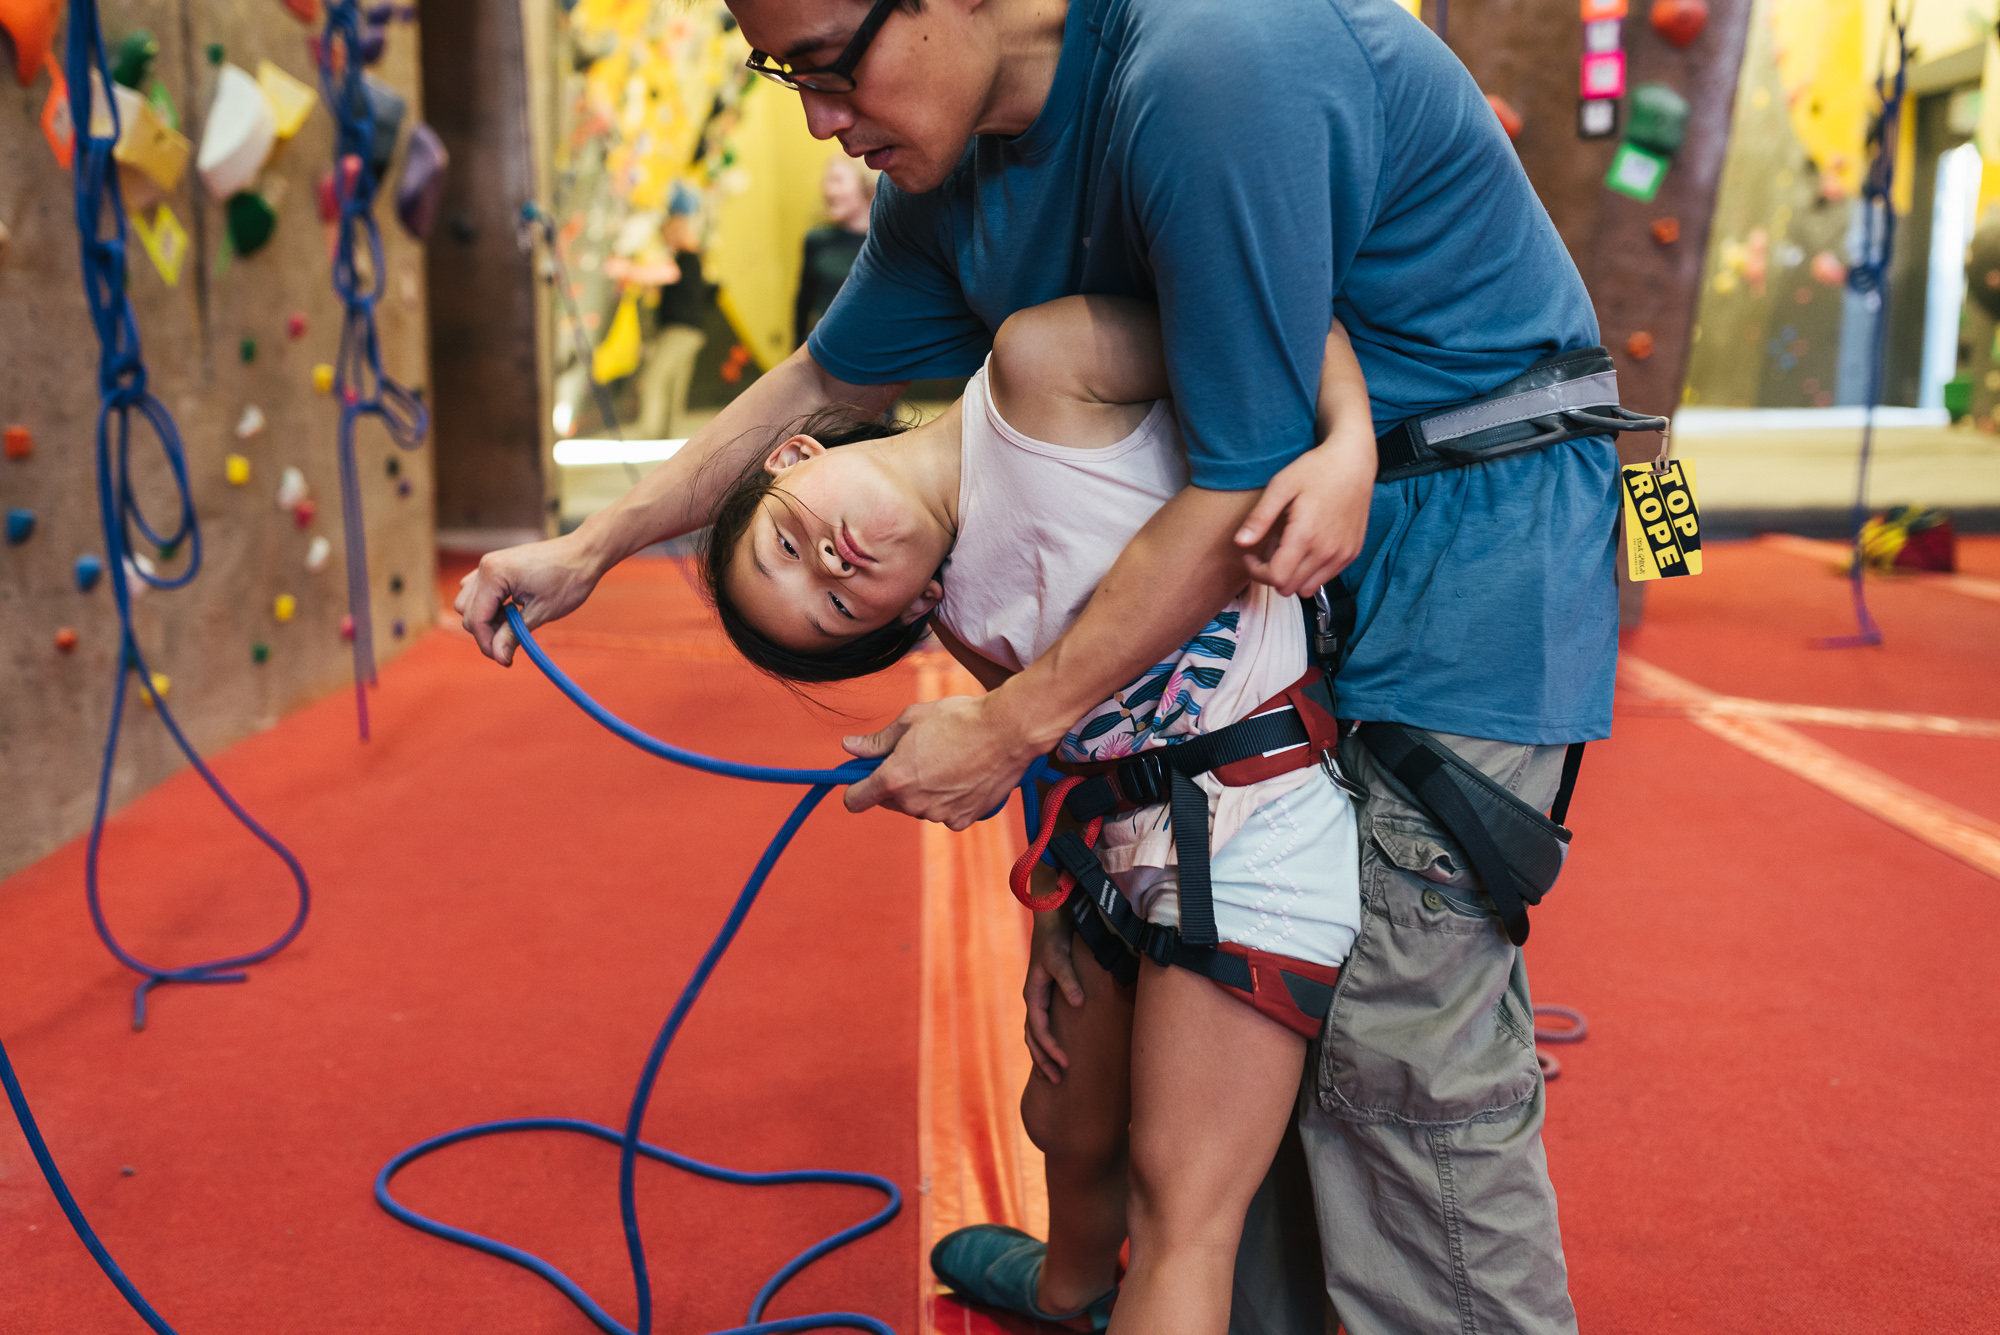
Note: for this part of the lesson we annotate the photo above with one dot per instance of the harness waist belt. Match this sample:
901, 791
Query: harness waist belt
1566, 397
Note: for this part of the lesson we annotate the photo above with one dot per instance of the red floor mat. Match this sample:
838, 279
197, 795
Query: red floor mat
507, 901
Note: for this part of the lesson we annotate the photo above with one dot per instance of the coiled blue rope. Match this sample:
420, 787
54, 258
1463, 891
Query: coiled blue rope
819, 783
360, 385
122, 390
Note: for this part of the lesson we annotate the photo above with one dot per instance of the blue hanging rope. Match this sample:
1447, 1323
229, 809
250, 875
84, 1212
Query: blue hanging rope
1870, 279
819, 783
360, 385
122, 390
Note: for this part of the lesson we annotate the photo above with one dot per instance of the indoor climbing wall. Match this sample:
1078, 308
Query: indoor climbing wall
225, 144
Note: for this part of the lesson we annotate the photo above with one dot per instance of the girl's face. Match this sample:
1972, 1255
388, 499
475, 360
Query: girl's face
838, 548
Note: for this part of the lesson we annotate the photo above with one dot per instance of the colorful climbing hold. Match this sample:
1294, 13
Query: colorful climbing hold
260, 652
291, 99
250, 220
236, 468
395, 583
347, 627
396, 628
1666, 231
247, 349
284, 607
421, 189
1510, 119
136, 54
1680, 21
305, 11
402, 486
323, 378
250, 423
20, 442
20, 526
318, 552
393, 466
295, 324
161, 684
88, 571
215, 53
66, 639
169, 550
1640, 345
291, 488
1658, 119
238, 134
303, 512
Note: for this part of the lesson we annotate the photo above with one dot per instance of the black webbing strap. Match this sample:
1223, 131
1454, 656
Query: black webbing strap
1423, 773
1117, 936
1189, 809
1572, 762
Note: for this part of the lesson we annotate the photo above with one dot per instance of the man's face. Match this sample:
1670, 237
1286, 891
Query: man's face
919, 91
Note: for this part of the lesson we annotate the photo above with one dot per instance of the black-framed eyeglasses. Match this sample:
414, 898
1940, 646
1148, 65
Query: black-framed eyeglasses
835, 78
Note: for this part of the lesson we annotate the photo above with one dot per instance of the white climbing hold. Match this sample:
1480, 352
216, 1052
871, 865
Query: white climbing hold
136, 565
291, 489
250, 423
241, 130
318, 553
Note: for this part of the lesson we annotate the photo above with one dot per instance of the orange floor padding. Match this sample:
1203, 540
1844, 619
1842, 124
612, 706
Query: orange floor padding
1780, 1120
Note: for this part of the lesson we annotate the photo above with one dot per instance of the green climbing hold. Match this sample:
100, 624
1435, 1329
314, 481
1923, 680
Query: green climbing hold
251, 221
247, 349
135, 57
1658, 120
163, 105
215, 53
260, 653
168, 551
395, 465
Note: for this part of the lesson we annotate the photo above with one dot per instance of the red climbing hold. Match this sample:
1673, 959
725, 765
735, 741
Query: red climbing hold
295, 324
303, 512
347, 627
1680, 21
1510, 119
1640, 345
66, 639
1666, 231
20, 443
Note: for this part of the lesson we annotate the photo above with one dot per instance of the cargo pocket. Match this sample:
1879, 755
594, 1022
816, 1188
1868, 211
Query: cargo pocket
1429, 1023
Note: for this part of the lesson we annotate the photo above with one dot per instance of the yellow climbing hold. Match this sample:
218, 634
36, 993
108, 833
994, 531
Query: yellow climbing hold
285, 607
237, 469
323, 378
162, 683
291, 101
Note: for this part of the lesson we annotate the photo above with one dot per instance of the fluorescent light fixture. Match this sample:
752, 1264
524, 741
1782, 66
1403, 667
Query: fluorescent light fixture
583, 452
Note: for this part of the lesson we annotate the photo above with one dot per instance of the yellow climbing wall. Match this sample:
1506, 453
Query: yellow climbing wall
770, 199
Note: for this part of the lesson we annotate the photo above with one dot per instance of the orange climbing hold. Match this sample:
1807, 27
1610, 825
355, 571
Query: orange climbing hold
66, 639
1666, 231
1640, 345
20, 442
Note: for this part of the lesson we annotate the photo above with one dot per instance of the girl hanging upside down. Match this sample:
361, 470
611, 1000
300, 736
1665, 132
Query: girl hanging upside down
1158, 1106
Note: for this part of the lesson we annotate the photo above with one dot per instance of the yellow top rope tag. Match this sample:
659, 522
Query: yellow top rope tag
1662, 525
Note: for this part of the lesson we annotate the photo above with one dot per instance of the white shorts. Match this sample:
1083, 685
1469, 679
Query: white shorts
1288, 882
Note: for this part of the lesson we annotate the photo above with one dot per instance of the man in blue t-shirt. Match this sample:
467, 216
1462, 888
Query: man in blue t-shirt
1254, 168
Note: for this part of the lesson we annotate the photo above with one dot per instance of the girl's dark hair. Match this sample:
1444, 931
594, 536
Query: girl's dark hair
878, 649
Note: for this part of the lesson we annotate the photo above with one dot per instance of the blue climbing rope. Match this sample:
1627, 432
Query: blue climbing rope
122, 390
361, 386
819, 783
1869, 278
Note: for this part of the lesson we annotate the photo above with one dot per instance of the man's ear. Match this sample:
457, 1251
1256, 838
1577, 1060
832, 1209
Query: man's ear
924, 603
792, 453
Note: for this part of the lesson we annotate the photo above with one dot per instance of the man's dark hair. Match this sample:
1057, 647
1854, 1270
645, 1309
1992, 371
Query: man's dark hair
878, 649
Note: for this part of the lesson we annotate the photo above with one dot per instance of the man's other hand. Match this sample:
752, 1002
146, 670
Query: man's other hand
546, 580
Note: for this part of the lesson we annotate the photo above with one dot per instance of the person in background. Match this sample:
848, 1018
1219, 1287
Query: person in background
678, 320
849, 191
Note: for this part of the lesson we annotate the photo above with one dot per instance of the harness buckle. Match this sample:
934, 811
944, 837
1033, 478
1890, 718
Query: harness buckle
1159, 944
1144, 780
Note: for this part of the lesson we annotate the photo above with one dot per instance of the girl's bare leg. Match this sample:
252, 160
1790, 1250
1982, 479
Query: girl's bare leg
1213, 1084
1080, 1127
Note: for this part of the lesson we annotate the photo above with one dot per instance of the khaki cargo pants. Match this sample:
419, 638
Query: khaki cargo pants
1415, 1194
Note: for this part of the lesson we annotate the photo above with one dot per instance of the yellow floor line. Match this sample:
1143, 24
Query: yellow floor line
1971, 839
1838, 553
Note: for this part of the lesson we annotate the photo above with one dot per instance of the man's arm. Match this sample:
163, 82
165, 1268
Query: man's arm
551, 579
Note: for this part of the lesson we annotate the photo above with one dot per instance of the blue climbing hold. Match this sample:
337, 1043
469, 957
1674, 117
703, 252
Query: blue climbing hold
20, 526
88, 571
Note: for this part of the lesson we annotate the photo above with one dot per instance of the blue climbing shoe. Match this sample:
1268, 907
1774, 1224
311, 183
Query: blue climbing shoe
998, 1266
